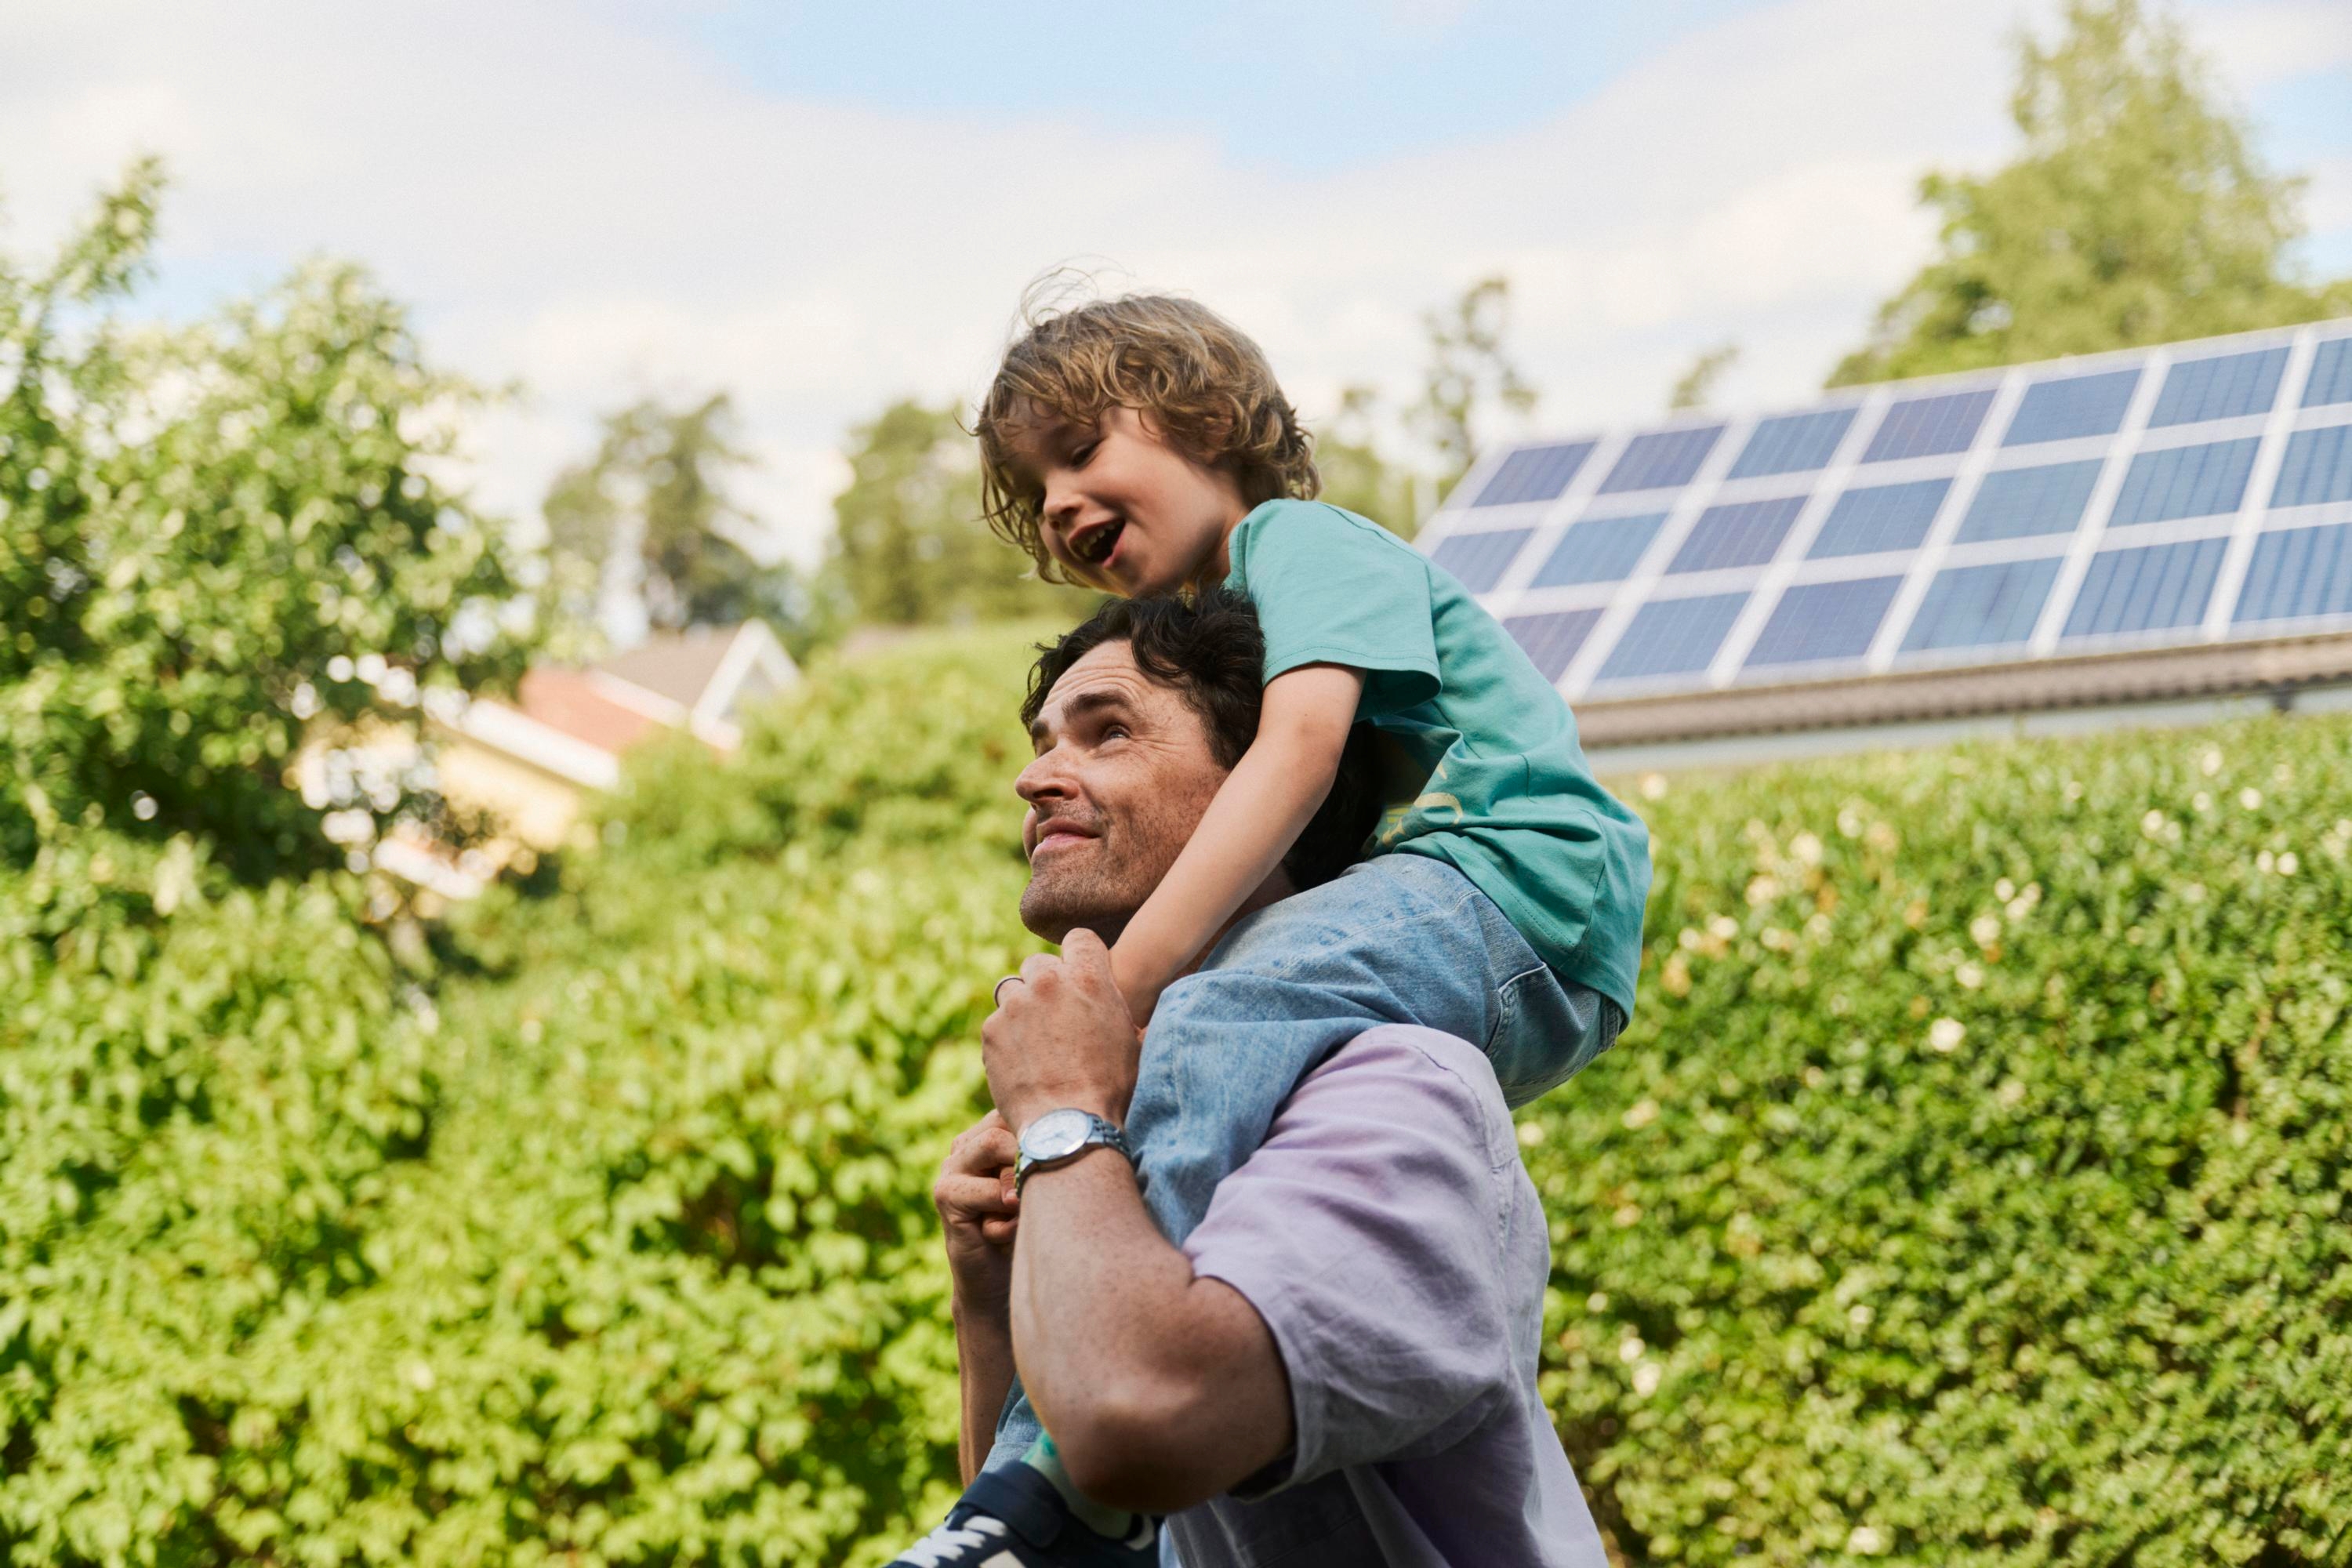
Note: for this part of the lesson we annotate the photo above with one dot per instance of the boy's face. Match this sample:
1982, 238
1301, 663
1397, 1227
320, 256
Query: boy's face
1124, 511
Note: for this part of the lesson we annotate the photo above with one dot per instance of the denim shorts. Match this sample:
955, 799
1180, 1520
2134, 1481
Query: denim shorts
1397, 939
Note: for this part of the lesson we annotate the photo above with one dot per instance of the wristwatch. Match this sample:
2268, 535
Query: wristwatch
1058, 1135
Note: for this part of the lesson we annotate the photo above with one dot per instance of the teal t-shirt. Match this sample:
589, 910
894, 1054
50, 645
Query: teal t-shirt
1497, 783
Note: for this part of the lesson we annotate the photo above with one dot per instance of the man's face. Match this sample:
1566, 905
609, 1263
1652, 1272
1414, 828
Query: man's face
1122, 774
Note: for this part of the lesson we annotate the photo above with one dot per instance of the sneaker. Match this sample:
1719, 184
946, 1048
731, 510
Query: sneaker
1014, 1518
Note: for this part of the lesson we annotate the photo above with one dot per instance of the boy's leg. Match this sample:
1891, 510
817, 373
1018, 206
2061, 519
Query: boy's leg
1549, 1030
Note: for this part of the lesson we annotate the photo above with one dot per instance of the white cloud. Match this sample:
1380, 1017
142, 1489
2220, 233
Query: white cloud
2258, 43
574, 199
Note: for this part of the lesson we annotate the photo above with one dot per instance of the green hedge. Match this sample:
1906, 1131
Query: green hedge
1971, 1184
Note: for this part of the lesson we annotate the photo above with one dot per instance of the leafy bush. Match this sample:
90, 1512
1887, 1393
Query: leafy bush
619, 1248
1973, 1183
1970, 1186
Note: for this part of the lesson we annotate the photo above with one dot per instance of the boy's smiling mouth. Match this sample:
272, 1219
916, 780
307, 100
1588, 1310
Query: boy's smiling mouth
1094, 545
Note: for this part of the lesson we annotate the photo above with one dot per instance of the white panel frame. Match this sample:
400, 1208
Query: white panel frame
2128, 442
2260, 482
1929, 558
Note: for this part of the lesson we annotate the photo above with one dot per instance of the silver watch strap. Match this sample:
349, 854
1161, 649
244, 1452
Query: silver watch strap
1100, 1134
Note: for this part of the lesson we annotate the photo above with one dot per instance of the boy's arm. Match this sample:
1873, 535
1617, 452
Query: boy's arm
1264, 803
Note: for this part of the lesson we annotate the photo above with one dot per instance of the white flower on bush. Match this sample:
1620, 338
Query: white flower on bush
1646, 1377
1867, 1540
1946, 1034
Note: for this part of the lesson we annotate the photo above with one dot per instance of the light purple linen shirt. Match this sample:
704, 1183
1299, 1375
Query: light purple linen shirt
1389, 1236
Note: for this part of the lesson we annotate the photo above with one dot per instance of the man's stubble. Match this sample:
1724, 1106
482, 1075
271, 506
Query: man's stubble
1098, 886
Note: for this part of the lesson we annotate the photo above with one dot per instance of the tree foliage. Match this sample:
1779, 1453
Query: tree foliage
1470, 370
2134, 213
212, 539
908, 546
1697, 383
651, 514
1359, 476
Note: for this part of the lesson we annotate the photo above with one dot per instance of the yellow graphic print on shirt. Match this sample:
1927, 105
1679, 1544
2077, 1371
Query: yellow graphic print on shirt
1424, 805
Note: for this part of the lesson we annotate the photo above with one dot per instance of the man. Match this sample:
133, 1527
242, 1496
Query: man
1340, 1365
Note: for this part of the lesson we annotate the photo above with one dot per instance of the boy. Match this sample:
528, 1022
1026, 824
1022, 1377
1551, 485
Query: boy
1142, 447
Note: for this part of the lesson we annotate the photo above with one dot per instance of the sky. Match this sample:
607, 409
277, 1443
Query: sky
819, 208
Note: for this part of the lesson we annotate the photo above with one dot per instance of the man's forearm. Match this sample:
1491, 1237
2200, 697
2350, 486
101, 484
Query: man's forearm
1161, 1389
983, 1377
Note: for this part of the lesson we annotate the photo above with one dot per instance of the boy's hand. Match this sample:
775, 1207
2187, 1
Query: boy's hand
980, 1212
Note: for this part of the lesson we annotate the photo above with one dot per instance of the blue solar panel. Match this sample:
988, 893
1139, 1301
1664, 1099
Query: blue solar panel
1478, 560
1551, 641
1534, 473
1744, 533
1600, 550
1927, 426
2224, 387
1816, 621
2185, 482
1792, 442
1981, 606
1671, 637
2330, 380
2299, 571
2146, 589
1879, 517
2318, 468
2073, 406
1660, 459
2015, 503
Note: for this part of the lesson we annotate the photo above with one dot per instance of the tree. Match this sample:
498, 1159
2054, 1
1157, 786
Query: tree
2136, 213
215, 538
1696, 384
909, 546
1357, 476
1469, 368
653, 506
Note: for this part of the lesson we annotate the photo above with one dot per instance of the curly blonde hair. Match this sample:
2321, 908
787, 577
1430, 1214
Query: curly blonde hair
1206, 388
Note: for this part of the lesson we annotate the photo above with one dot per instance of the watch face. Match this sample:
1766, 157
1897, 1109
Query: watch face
1054, 1134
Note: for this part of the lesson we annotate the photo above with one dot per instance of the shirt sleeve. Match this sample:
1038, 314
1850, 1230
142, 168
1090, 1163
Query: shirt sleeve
1332, 589
1369, 1232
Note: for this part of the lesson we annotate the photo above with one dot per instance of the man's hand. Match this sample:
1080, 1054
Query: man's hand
1062, 1037
979, 1213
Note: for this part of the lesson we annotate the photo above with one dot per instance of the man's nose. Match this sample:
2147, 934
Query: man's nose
1047, 777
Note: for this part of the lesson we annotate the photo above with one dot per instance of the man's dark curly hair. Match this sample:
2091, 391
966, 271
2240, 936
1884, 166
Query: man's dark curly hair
1209, 648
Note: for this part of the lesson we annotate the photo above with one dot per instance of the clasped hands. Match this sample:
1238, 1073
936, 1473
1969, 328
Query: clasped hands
1061, 1036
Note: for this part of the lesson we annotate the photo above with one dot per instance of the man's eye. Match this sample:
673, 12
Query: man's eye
1115, 731
1078, 457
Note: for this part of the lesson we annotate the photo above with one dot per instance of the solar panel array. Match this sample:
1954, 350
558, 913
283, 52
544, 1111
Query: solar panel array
2195, 493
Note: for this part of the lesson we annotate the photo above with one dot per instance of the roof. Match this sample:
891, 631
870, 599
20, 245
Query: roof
570, 701
2159, 675
575, 723
2117, 528
678, 665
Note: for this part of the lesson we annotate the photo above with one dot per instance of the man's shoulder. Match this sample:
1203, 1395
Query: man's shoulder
1411, 1080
